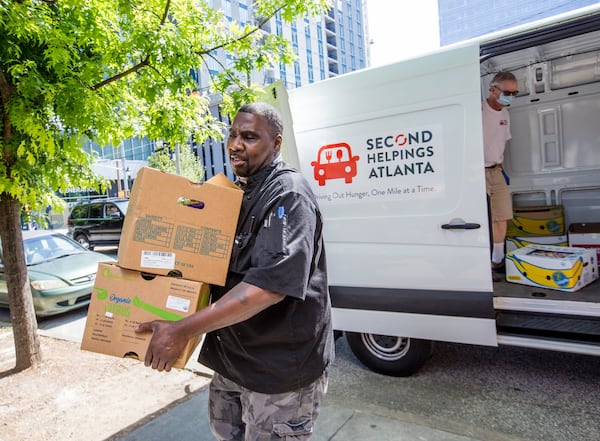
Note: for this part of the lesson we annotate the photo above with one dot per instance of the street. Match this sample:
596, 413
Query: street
489, 393
492, 394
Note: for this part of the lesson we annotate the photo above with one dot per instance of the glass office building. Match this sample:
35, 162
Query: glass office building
464, 19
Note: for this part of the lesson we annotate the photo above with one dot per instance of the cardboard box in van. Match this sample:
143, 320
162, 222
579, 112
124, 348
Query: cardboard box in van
512, 243
124, 298
546, 266
585, 235
547, 220
175, 226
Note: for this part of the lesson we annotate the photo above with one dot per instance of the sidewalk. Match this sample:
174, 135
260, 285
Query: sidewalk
188, 421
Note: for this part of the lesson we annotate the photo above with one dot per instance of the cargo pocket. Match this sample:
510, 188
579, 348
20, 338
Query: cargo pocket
293, 430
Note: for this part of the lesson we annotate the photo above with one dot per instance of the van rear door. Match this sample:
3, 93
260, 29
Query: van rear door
394, 155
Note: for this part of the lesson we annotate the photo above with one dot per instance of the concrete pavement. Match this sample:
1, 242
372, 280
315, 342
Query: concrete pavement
188, 421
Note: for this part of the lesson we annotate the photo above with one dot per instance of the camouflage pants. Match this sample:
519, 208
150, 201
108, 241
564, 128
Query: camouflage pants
239, 414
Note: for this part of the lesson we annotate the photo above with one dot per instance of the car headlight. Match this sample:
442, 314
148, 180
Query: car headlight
44, 285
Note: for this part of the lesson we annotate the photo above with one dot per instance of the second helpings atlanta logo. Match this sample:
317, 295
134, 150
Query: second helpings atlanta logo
335, 161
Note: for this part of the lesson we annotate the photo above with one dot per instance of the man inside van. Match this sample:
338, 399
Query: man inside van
496, 132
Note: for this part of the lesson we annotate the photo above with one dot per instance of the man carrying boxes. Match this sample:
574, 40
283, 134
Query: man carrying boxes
269, 335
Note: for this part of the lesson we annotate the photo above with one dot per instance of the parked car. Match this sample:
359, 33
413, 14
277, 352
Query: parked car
97, 222
61, 272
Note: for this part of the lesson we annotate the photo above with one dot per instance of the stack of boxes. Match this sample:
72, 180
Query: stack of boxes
538, 255
176, 240
585, 235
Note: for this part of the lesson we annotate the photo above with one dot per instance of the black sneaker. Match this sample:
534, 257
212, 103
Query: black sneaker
499, 267
497, 277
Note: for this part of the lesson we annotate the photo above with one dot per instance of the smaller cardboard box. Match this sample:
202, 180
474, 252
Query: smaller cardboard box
585, 235
177, 227
512, 243
122, 299
545, 266
546, 220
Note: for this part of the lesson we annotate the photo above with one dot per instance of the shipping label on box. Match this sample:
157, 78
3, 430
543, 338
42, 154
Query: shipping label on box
175, 226
122, 299
512, 243
585, 235
546, 266
537, 221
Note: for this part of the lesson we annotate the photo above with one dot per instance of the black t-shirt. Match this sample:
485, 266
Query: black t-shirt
279, 247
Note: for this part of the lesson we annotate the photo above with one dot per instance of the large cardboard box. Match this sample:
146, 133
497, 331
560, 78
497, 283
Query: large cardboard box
175, 226
122, 299
547, 220
546, 266
585, 235
512, 243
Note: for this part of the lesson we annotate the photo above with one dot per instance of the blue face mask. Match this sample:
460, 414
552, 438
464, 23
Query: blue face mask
505, 100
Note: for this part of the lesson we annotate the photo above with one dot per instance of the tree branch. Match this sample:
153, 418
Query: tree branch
231, 77
144, 63
246, 35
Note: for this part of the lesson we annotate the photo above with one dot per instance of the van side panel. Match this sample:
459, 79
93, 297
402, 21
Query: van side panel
395, 158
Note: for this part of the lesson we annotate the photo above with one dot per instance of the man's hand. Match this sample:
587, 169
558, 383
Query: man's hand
166, 344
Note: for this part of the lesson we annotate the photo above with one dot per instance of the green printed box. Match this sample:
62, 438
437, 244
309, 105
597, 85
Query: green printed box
124, 298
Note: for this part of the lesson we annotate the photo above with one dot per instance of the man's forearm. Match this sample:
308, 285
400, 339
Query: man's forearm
240, 303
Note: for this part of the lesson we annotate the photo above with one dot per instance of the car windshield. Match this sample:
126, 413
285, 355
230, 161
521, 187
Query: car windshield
53, 246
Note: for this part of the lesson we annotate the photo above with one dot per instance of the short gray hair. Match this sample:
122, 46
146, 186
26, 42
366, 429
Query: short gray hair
267, 111
502, 76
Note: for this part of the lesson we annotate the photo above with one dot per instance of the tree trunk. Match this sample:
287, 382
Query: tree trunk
22, 314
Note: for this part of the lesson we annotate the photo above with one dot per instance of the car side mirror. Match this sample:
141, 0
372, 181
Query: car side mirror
115, 215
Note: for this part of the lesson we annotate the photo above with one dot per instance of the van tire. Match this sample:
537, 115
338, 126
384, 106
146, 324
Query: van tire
390, 355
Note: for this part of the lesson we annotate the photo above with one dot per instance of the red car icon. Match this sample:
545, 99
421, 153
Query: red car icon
335, 161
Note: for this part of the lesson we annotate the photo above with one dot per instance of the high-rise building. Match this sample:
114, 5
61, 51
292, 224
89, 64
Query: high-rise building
464, 19
325, 46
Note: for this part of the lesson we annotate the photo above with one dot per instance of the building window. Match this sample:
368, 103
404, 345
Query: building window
227, 10
243, 11
297, 74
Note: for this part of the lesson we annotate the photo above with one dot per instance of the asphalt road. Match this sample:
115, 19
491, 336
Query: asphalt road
502, 393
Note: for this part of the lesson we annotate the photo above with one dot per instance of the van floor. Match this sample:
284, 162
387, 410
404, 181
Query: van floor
536, 313
589, 293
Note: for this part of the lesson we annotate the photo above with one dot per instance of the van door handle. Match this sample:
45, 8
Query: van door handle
461, 226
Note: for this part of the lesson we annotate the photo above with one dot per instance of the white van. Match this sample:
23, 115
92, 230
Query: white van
394, 155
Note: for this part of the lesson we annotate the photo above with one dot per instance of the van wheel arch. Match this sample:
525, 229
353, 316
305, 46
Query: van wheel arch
390, 355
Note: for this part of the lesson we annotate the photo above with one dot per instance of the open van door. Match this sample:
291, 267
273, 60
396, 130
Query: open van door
394, 156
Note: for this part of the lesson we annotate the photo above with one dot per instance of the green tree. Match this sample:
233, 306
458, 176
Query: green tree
189, 165
108, 70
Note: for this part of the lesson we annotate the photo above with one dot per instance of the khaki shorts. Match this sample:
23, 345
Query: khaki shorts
239, 414
497, 190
